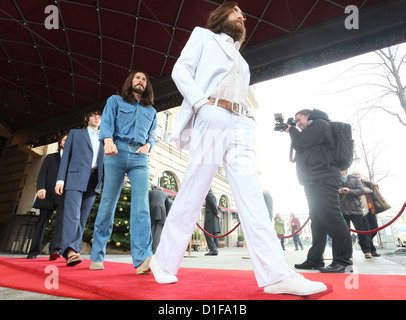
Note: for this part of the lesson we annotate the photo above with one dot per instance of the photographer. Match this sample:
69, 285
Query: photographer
317, 172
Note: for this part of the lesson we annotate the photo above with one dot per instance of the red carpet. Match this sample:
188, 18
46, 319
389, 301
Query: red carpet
118, 281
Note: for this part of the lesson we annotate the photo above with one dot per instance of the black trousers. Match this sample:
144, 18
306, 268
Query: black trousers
212, 243
370, 223
327, 219
44, 216
365, 240
156, 230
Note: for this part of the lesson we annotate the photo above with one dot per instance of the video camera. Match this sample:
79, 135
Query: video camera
280, 125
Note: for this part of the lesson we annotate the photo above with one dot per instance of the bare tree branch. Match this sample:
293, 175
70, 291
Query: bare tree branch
391, 113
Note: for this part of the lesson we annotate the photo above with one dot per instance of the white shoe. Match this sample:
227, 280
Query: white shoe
297, 285
161, 276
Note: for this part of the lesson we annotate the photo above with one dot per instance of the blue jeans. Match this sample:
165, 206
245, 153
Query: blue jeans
115, 167
77, 205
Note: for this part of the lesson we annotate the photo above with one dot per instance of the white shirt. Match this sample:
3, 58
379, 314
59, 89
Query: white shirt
94, 139
231, 87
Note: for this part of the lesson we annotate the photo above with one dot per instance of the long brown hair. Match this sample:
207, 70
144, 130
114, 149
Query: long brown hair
60, 140
219, 15
147, 98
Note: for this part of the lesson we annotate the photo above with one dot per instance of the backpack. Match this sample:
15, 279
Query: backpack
344, 144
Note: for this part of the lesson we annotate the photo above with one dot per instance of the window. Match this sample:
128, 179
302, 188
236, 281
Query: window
168, 181
165, 121
223, 201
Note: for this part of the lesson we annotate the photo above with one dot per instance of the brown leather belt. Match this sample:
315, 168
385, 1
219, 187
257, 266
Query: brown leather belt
231, 106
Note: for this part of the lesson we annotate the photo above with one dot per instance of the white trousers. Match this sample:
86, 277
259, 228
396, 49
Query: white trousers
222, 136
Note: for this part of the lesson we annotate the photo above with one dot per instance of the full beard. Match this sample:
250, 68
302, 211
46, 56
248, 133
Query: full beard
234, 30
138, 89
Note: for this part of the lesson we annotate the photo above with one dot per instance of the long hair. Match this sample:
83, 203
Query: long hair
60, 140
219, 15
147, 98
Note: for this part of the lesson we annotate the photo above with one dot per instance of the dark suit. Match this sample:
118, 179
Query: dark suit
46, 180
158, 212
211, 221
80, 185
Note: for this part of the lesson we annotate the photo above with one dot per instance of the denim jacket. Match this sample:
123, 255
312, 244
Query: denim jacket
130, 123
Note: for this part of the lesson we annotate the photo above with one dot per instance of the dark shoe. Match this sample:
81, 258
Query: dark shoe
336, 268
32, 255
53, 256
211, 253
375, 254
308, 266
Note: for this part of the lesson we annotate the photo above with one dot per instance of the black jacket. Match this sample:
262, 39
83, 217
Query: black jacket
157, 205
47, 180
349, 202
211, 221
314, 148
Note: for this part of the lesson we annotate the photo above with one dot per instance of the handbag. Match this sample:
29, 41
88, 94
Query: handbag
364, 210
363, 204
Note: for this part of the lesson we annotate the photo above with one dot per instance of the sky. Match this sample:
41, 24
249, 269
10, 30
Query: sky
340, 89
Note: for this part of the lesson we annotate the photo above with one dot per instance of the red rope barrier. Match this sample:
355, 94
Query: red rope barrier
298, 231
218, 237
225, 235
301, 228
384, 226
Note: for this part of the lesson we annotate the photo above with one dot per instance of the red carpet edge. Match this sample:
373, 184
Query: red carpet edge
119, 282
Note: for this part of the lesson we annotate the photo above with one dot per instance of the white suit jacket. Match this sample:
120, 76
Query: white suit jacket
204, 62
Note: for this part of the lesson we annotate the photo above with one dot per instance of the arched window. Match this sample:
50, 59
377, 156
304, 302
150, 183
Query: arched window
168, 181
223, 201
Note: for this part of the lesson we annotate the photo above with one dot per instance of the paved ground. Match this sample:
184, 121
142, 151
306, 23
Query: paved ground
392, 261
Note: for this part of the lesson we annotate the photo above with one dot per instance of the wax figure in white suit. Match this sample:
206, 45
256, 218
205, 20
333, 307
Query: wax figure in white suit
210, 73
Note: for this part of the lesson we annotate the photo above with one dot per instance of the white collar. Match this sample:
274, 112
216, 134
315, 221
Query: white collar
228, 39
92, 131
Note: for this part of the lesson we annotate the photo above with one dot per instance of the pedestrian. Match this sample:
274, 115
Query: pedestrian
320, 176
80, 179
268, 202
350, 191
128, 129
47, 202
370, 221
280, 229
215, 123
212, 223
158, 212
294, 226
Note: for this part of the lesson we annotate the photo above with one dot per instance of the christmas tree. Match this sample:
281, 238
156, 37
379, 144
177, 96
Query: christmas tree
120, 237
